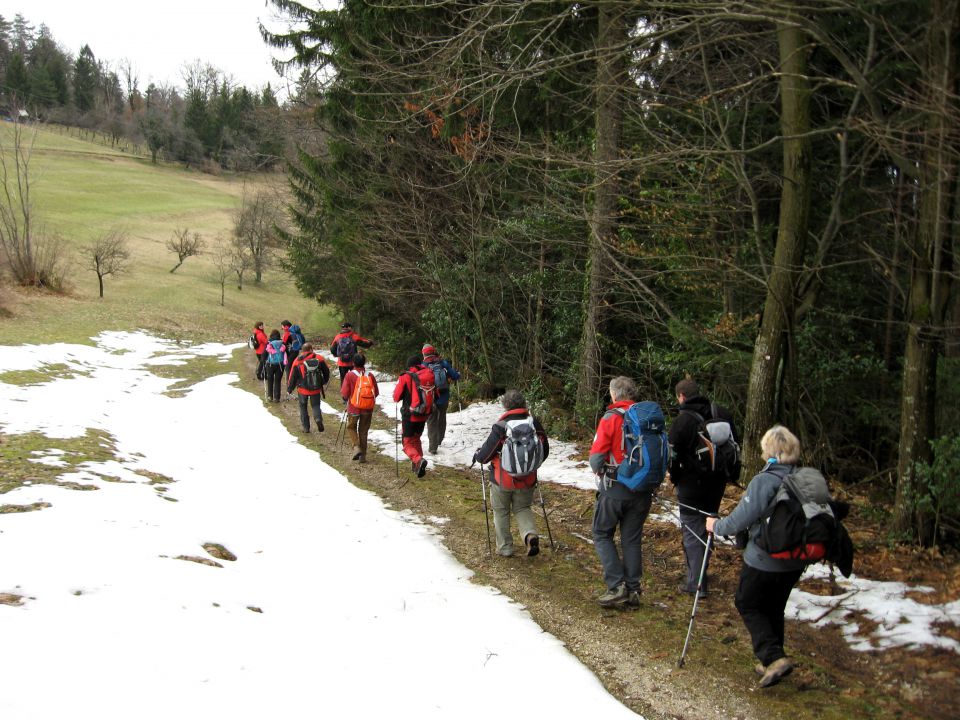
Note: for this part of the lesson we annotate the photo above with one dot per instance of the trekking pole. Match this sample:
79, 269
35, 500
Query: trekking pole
486, 515
544, 508
696, 598
341, 431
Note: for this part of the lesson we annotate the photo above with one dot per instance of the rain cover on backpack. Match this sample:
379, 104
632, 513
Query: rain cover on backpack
275, 353
717, 453
522, 451
646, 452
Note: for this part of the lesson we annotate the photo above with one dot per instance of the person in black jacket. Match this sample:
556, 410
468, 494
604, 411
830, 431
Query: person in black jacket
698, 491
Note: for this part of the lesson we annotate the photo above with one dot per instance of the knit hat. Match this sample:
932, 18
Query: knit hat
428, 351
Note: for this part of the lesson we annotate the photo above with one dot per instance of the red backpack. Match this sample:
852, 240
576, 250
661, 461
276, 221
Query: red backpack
424, 391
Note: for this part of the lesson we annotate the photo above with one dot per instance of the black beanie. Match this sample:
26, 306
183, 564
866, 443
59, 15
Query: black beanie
414, 360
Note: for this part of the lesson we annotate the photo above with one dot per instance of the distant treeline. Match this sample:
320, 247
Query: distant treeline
209, 121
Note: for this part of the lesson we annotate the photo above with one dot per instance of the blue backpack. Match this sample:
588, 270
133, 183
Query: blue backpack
646, 451
296, 338
277, 356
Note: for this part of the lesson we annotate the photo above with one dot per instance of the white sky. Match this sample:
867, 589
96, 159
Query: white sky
160, 38
363, 609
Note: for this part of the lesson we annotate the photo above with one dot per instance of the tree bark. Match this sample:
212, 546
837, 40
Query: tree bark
771, 352
611, 76
932, 262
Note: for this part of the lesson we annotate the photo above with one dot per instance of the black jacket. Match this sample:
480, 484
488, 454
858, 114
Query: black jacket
694, 487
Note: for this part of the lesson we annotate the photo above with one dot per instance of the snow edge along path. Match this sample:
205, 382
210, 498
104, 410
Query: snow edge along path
334, 601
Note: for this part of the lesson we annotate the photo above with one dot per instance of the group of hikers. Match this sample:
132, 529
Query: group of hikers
632, 453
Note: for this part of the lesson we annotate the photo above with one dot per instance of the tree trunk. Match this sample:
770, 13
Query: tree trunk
100, 280
931, 266
767, 372
611, 76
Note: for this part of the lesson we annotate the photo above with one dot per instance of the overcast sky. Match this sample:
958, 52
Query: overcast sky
160, 38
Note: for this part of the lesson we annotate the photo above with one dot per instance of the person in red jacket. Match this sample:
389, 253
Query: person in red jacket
344, 347
359, 390
506, 491
260, 349
421, 399
617, 505
308, 375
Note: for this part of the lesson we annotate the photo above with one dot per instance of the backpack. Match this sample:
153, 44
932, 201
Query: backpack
440, 380
277, 356
312, 374
296, 338
646, 451
362, 397
717, 454
346, 348
799, 524
252, 342
522, 450
422, 397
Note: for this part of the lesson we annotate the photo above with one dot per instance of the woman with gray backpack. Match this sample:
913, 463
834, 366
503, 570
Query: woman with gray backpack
516, 447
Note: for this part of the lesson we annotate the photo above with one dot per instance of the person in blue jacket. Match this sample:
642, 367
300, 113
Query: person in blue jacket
444, 374
765, 581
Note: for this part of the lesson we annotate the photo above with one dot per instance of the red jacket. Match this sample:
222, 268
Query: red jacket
406, 388
348, 385
489, 452
297, 373
361, 342
262, 340
607, 448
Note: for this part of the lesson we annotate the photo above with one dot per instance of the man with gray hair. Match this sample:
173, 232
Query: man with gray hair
617, 505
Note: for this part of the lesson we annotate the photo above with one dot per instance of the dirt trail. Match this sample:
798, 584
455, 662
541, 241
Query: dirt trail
634, 654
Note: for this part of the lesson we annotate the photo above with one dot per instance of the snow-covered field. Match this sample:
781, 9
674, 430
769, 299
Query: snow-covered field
335, 602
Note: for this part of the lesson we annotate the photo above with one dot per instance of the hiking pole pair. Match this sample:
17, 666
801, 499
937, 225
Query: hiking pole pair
486, 514
545, 519
696, 598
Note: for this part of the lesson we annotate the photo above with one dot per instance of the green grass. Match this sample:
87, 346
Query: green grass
81, 190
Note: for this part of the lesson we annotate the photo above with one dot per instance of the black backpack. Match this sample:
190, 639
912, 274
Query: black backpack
717, 453
799, 524
313, 378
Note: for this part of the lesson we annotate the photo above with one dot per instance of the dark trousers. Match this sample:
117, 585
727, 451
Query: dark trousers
273, 378
343, 370
761, 598
436, 427
630, 514
314, 402
693, 526
261, 359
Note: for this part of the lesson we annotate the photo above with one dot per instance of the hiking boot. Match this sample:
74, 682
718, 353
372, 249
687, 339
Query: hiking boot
684, 589
760, 669
775, 671
319, 428
432, 450
422, 468
633, 599
357, 455
614, 597
533, 545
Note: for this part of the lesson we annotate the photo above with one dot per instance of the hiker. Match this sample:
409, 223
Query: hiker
443, 373
308, 375
765, 582
416, 392
276, 361
293, 339
261, 339
699, 489
617, 504
359, 390
509, 492
344, 347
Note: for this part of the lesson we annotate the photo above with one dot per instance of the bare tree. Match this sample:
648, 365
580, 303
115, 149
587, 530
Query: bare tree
223, 264
255, 227
240, 259
16, 206
108, 255
185, 244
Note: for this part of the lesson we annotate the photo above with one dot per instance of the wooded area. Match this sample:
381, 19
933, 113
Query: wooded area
763, 195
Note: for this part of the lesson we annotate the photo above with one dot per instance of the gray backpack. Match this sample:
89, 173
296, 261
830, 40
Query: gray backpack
522, 451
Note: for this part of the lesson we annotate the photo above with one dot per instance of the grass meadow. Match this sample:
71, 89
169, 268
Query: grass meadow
81, 190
